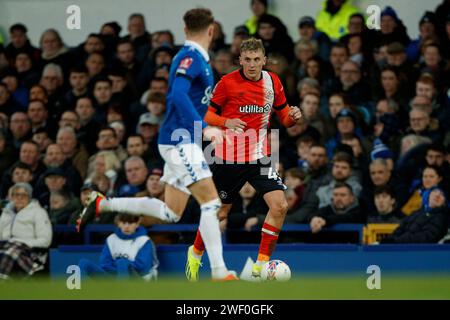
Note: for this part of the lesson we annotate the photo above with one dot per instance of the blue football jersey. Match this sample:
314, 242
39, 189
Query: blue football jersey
190, 85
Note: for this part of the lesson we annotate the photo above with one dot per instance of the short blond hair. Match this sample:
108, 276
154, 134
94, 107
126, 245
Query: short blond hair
252, 44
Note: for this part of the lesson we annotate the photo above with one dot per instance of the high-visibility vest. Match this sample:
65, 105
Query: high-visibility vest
335, 26
252, 25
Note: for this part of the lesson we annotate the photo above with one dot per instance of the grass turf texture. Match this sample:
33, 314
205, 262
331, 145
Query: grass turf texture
302, 288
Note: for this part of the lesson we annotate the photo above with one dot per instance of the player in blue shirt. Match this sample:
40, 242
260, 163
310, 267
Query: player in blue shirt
185, 171
190, 84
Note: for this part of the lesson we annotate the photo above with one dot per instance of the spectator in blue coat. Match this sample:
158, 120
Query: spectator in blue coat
427, 225
128, 251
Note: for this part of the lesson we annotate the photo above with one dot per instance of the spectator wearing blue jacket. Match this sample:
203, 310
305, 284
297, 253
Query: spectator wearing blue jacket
128, 251
347, 131
428, 29
427, 225
307, 30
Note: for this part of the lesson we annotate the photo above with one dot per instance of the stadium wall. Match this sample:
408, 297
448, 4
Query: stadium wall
302, 259
39, 15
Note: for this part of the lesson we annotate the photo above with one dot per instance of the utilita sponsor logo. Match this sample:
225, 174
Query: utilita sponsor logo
254, 108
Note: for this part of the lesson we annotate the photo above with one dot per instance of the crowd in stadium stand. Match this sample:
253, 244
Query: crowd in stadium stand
374, 146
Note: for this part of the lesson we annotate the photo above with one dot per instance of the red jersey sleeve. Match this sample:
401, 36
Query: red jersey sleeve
213, 119
280, 104
219, 96
279, 101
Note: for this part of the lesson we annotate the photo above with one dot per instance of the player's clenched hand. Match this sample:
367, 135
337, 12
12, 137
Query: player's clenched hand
235, 124
295, 113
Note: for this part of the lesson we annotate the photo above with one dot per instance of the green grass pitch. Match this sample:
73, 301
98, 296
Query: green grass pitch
341, 287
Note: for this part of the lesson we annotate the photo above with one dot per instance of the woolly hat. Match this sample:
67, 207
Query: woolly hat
306, 21
389, 11
346, 113
429, 17
115, 26
380, 150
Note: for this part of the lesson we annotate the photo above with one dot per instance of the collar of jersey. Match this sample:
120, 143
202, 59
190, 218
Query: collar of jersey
199, 48
241, 71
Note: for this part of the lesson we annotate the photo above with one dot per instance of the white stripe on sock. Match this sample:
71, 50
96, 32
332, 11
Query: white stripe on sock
273, 233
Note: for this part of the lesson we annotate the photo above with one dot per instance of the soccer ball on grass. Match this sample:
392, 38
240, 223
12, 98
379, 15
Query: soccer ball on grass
275, 270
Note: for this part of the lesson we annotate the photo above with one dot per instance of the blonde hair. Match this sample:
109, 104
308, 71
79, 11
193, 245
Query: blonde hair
112, 162
410, 141
252, 44
304, 44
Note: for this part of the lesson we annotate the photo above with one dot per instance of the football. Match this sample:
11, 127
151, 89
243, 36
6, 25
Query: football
275, 270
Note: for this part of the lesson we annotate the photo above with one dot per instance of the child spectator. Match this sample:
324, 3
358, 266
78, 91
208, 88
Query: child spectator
156, 105
20, 172
294, 179
127, 252
386, 207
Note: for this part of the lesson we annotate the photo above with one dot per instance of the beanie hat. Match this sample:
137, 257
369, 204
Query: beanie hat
346, 113
389, 11
115, 26
380, 150
429, 16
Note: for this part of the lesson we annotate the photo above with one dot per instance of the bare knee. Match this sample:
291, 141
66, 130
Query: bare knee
279, 208
204, 190
223, 212
276, 201
175, 199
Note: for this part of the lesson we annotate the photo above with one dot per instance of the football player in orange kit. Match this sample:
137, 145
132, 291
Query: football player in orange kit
242, 104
